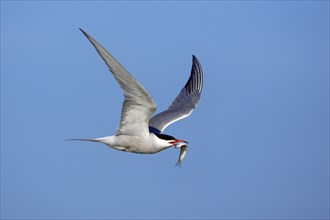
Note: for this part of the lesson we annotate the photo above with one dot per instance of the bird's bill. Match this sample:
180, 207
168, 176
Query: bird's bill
178, 143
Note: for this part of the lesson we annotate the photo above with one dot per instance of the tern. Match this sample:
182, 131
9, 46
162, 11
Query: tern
138, 132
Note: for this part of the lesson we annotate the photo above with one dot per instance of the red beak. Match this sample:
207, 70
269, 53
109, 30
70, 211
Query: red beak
175, 142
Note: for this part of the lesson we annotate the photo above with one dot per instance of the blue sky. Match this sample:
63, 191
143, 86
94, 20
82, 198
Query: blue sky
259, 139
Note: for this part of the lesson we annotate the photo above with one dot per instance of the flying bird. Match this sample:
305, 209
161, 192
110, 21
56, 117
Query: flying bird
138, 132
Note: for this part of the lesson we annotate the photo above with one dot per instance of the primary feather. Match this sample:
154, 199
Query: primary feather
184, 104
138, 106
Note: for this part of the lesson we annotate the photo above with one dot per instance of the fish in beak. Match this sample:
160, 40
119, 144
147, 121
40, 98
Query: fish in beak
183, 152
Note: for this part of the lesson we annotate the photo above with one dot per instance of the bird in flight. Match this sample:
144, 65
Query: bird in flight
138, 132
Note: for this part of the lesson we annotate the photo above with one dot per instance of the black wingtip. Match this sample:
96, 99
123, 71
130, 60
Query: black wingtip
195, 81
194, 58
83, 32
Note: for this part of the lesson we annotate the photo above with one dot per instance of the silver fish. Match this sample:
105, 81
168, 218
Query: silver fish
183, 152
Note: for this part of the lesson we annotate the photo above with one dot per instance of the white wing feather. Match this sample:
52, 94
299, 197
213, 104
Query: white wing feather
184, 104
138, 106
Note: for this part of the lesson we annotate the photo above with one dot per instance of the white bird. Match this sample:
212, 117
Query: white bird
137, 131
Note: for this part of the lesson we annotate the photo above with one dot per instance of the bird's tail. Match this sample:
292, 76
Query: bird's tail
83, 139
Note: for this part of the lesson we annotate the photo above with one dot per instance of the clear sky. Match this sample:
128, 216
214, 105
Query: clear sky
259, 139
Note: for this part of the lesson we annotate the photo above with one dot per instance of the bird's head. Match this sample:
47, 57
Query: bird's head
172, 141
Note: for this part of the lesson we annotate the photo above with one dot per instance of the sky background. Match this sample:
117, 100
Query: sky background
259, 138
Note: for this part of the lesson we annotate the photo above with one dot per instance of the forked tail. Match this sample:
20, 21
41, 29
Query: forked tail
82, 139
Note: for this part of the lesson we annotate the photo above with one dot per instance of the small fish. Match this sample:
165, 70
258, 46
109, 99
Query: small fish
183, 152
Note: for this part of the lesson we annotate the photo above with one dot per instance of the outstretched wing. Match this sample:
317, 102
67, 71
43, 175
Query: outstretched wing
138, 106
183, 104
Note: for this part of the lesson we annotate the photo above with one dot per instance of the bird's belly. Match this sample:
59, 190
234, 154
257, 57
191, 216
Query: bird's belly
133, 145
137, 150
